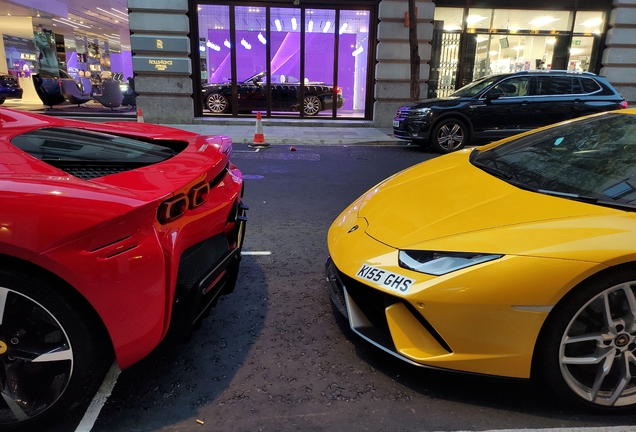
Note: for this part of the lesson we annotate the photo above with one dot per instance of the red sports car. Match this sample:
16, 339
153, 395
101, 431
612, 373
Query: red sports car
114, 237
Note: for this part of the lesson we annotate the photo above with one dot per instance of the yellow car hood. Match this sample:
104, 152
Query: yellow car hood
449, 204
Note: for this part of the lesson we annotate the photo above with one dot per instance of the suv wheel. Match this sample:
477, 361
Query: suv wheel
449, 135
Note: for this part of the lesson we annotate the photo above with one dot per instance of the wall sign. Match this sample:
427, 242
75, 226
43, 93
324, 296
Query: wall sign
159, 64
160, 43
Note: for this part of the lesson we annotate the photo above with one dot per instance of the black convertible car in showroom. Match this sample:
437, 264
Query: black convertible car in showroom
252, 95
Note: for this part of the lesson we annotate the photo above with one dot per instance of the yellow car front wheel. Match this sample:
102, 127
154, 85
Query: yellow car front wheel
588, 347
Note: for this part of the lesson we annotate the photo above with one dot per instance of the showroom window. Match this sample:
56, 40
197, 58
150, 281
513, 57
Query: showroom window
302, 62
89, 45
84, 47
492, 41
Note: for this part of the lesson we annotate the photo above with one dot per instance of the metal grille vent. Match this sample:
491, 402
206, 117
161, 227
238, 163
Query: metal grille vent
88, 173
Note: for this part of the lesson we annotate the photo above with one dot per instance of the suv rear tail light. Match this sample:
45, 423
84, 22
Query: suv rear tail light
199, 195
172, 209
622, 105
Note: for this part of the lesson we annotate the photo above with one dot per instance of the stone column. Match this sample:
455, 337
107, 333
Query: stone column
161, 59
393, 70
619, 56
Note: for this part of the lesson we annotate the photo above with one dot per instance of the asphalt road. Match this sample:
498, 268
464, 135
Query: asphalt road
271, 356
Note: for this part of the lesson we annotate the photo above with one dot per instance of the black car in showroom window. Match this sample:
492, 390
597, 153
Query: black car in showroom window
252, 95
9, 88
498, 106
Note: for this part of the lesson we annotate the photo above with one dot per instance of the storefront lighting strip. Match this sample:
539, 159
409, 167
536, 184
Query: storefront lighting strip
125, 15
64, 22
543, 20
75, 23
357, 51
110, 13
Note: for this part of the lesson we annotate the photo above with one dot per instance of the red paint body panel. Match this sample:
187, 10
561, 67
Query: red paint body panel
102, 235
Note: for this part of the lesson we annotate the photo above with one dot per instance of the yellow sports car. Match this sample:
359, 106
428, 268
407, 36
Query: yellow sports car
515, 259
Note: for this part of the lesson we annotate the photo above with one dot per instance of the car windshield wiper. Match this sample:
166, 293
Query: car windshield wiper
503, 175
589, 200
493, 171
577, 197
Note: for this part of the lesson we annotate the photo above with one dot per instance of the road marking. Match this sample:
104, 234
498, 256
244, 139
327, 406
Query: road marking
256, 253
102, 395
246, 151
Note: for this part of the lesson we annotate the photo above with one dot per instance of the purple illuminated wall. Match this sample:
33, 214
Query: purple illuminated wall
122, 63
285, 49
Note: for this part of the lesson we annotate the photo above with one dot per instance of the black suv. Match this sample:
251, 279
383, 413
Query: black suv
498, 106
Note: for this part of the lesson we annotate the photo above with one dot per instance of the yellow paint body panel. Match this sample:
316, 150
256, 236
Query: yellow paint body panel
489, 314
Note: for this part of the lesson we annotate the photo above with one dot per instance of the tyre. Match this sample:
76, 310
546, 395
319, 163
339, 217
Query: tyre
217, 103
1, 101
54, 353
311, 105
449, 135
587, 348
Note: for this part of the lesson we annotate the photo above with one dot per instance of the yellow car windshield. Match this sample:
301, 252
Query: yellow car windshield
592, 160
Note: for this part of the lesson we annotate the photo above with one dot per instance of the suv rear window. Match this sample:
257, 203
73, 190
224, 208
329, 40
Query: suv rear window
78, 145
590, 86
554, 85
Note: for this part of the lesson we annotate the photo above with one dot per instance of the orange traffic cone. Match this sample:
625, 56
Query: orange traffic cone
259, 138
140, 115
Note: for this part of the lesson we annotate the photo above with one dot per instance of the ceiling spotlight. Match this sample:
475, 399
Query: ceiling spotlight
262, 38
278, 25
227, 44
213, 46
310, 26
543, 20
343, 27
294, 23
327, 27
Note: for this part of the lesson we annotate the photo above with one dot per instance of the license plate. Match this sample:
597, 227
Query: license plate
396, 123
385, 278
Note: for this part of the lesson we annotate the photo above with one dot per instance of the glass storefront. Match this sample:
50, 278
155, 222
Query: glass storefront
296, 59
51, 47
492, 41
283, 61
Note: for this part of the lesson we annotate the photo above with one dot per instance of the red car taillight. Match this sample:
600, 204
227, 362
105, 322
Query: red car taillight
622, 105
172, 209
339, 90
199, 195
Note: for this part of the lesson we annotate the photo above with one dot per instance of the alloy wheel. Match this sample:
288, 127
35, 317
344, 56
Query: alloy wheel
597, 354
217, 103
311, 105
450, 136
36, 356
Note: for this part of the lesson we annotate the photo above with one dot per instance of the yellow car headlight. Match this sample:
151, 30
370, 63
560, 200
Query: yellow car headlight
440, 263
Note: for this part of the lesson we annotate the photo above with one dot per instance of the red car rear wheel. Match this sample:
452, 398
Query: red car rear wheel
54, 354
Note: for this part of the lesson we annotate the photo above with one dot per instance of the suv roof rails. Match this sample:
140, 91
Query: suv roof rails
555, 72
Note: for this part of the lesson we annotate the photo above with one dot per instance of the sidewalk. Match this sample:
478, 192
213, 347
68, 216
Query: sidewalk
298, 133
